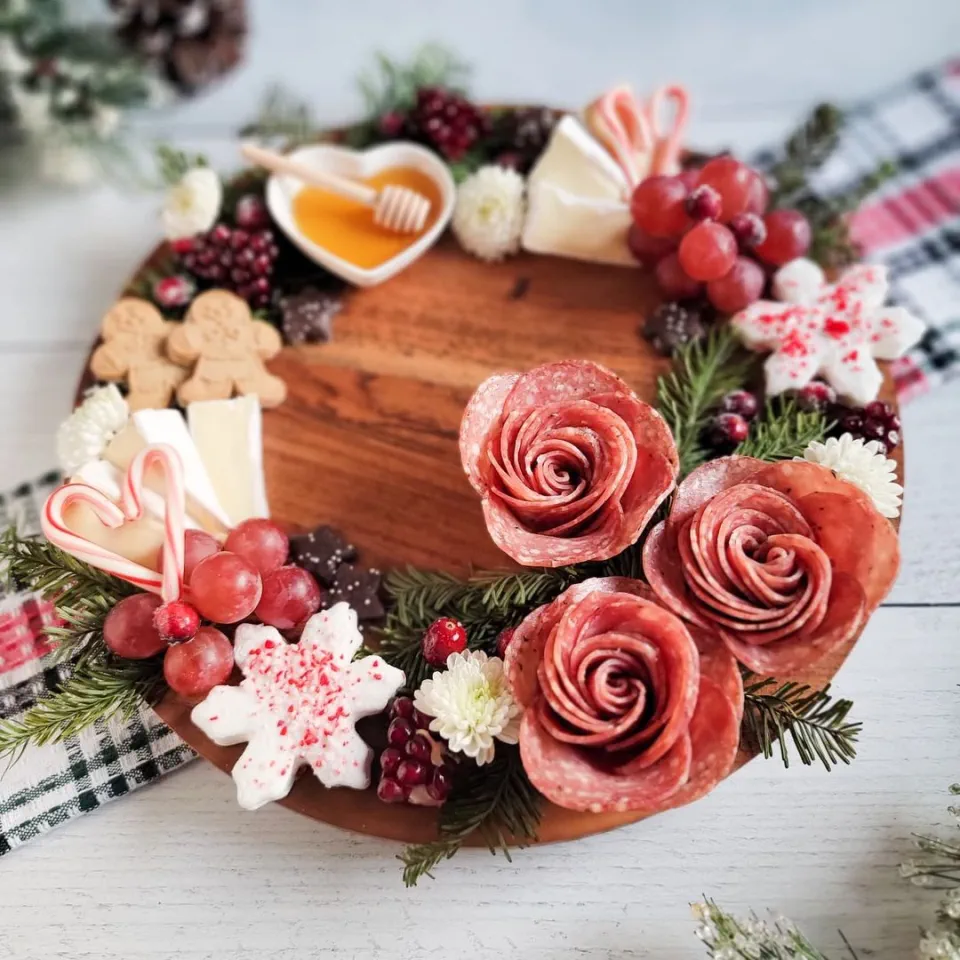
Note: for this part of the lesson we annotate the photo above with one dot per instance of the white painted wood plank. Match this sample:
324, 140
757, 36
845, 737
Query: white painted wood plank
178, 870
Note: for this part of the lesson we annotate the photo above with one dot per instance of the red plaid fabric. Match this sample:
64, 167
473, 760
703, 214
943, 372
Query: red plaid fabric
23, 624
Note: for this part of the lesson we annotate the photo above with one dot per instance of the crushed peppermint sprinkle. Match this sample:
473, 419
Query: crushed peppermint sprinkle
297, 705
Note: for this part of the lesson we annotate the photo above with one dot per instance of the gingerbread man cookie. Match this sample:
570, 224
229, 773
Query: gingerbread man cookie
133, 352
228, 348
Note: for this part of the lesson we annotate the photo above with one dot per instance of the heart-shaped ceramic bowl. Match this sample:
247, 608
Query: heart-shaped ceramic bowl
354, 164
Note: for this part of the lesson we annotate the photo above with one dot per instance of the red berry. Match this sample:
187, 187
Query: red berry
176, 621
440, 785
419, 746
878, 410
733, 180
225, 588
391, 124
852, 423
289, 598
413, 773
251, 212
704, 203
389, 761
788, 237
503, 640
129, 630
389, 791
873, 429
402, 707
399, 732
748, 229
176, 291
658, 206
220, 235
728, 429
443, 637
183, 246
673, 280
740, 401
708, 251
648, 250
740, 286
816, 396
262, 543
194, 668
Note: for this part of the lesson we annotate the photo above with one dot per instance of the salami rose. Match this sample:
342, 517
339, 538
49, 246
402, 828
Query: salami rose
624, 707
569, 463
783, 561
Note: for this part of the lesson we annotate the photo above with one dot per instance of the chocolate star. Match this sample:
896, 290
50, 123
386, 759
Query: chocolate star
308, 316
360, 589
321, 552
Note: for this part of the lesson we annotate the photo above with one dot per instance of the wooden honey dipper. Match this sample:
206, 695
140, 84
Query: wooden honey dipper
395, 208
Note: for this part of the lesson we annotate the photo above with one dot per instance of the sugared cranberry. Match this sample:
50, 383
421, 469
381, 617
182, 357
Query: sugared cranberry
220, 234
749, 230
873, 429
251, 213
816, 396
852, 423
391, 124
878, 410
742, 402
443, 637
727, 430
704, 203
412, 773
399, 731
390, 759
389, 791
176, 621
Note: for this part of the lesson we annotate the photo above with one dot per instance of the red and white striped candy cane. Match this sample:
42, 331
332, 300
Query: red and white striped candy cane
667, 132
175, 514
110, 515
619, 123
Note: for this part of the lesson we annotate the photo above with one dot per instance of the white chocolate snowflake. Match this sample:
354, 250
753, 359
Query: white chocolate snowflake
297, 705
837, 331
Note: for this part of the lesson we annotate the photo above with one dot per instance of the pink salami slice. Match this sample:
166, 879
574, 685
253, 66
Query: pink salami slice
561, 382
719, 666
482, 412
706, 482
664, 572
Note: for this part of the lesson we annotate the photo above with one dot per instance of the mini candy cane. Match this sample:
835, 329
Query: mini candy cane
616, 120
174, 517
110, 515
668, 140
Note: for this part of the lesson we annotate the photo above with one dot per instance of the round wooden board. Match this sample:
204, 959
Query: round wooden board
367, 440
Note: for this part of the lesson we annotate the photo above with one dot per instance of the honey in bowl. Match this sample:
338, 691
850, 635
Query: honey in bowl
346, 228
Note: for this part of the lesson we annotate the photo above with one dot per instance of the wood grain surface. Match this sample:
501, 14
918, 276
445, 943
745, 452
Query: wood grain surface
367, 441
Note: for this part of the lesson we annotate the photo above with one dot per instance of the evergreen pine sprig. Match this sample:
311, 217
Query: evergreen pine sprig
172, 163
783, 432
283, 118
806, 149
497, 801
796, 713
703, 371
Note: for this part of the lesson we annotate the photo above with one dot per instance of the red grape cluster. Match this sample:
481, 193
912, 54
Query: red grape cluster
233, 258
412, 766
708, 230
245, 576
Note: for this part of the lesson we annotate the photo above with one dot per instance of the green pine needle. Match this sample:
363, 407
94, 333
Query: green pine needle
172, 163
783, 432
391, 86
806, 149
703, 371
496, 800
796, 713
283, 118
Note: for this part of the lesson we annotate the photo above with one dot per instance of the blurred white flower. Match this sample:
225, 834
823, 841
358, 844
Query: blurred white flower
68, 164
192, 205
488, 217
84, 435
32, 109
12, 61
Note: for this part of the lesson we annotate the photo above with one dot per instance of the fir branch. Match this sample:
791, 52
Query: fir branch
496, 800
783, 432
284, 118
95, 691
703, 371
817, 724
807, 149
391, 87
172, 163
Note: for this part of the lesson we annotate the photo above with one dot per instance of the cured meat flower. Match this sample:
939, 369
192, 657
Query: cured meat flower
625, 707
570, 464
783, 561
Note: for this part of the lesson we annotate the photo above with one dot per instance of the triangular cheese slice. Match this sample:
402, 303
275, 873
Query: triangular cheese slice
228, 435
137, 540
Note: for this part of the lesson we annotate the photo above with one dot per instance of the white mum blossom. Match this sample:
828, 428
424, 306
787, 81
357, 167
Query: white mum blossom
488, 216
193, 204
83, 436
471, 705
862, 463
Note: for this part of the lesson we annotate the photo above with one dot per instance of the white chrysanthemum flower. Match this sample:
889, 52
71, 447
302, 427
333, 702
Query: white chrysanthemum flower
488, 217
862, 463
471, 705
83, 436
192, 205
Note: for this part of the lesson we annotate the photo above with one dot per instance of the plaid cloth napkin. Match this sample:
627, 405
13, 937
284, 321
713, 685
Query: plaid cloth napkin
49, 785
912, 225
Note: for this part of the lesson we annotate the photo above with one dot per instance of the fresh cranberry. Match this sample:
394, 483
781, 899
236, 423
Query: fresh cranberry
419, 746
742, 402
399, 732
390, 759
748, 229
443, 637
389, 791
176, 621
413, 773
704, 203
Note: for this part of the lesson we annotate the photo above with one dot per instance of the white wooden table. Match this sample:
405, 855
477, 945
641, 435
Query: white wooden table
176, 870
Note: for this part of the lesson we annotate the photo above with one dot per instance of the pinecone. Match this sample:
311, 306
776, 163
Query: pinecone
672, 325
522, 134
446, 121
194, 41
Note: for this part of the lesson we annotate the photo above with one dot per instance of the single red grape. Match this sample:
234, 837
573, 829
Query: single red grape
225, 588
658, 206
648, 250
197, 546
759, 195
733, 180
673, 280
261, 543
738, 288
194, 668
708, 251
290, 595
788, 237
128, 629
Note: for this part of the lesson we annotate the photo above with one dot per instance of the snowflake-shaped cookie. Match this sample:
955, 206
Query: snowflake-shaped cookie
297, 704
837, 331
